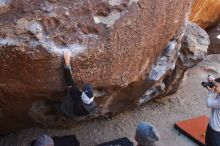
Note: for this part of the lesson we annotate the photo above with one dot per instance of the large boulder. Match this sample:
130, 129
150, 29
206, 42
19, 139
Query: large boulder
113, 43
214, 35
205, 13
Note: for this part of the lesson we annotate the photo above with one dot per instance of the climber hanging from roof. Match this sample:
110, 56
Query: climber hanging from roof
77, 103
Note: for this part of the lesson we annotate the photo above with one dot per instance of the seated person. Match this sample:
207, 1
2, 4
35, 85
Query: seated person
146, 135
77, 103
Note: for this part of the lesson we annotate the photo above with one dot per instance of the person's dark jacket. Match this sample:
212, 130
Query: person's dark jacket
73, 105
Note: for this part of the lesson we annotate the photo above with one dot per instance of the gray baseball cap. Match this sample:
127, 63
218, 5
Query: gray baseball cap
146, 134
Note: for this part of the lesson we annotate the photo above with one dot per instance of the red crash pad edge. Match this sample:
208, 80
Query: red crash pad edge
193, 128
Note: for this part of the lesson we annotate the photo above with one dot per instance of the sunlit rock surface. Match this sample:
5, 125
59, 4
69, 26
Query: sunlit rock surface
205, 13
114, 44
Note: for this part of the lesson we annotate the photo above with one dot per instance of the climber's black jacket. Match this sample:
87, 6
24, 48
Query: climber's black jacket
73, 105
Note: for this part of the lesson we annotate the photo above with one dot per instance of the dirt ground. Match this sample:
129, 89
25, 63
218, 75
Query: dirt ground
188, 102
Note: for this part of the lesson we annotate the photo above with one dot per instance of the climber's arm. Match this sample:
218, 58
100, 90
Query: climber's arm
68, 76
67, 70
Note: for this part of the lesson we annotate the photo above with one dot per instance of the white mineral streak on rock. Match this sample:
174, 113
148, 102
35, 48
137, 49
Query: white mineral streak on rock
132, 1
4, 5
35, 28
114, 15
51, 9
47, 7
165, 62
4, 2
108, 20
151, 93
8, 42
114, 2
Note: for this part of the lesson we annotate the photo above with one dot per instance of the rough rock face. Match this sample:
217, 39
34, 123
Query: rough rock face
206, 13
169, 70
209, 66
113, 43
214, 35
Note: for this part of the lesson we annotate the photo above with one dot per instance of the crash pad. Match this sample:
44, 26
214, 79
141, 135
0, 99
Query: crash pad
194, 128
118, 142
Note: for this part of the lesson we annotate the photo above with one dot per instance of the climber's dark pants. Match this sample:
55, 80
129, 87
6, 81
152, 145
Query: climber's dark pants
212, 138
